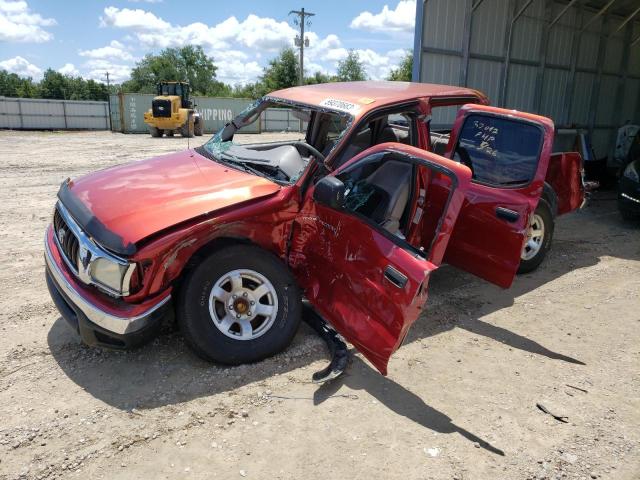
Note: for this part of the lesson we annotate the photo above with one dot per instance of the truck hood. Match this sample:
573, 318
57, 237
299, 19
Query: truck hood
122, 205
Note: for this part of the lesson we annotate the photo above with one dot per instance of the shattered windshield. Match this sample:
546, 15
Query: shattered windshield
294, 135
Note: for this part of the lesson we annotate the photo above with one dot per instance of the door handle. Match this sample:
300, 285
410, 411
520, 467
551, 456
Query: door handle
396, 277
507, 214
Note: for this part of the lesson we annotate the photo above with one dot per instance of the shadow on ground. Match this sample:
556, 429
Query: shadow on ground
165, 372
394, 396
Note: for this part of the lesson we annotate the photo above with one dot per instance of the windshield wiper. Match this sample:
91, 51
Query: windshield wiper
272, 173
232, 160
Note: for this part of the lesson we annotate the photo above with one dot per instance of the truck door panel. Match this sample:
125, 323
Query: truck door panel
565, 177
369, 284
508, 153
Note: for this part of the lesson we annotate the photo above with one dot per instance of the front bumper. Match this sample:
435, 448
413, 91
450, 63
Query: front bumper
100, 325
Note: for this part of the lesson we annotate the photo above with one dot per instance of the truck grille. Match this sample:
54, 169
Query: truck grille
161, 108
66, 239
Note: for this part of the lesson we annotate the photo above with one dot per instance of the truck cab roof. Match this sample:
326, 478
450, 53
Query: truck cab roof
360, 97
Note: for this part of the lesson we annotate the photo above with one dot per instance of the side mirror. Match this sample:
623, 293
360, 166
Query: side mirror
330, 192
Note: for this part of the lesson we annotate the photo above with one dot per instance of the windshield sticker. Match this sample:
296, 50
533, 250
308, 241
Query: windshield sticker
340, 105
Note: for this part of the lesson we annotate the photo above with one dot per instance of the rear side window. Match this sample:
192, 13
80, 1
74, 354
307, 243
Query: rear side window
499, 151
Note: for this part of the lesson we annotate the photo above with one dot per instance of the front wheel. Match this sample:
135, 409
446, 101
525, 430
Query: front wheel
539, 236
186, 130
155, 132
239, 305
197, 127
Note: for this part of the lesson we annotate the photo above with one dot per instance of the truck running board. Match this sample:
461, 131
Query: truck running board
337, 348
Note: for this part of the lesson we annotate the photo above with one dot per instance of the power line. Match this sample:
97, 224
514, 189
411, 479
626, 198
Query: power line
301, 41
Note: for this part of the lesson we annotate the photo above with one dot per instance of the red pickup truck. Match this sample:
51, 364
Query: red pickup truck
353, 217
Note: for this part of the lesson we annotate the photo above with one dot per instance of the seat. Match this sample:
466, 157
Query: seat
393, 182
439, 142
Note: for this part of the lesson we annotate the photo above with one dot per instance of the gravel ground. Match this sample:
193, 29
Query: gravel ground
459, 401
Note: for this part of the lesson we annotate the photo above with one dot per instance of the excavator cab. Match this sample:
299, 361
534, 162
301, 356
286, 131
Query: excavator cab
172, 111
178, 89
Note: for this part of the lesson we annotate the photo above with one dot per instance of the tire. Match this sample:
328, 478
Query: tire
186, 130
628, 216
202, 309
197, 127
170, 133
155, 132
531, 258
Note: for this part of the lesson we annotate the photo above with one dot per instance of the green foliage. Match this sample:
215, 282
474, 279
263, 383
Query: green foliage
188, 64
12, 85
405, 69
53, 85
282, 72
351, 68
319, 77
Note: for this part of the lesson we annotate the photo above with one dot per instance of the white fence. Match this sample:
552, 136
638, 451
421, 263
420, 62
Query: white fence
29, 113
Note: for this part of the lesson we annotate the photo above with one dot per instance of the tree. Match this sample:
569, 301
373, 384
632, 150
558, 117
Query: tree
282, 72
319, 77
404, 71
188, 63
12, 85
54, 85
351, 68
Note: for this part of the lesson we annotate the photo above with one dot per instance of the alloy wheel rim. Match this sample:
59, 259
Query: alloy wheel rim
243, 304
535, 237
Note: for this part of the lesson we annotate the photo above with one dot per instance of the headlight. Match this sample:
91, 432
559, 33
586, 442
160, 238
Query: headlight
631, 172
114, 276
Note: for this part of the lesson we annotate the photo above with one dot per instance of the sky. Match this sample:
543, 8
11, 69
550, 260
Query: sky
91, 37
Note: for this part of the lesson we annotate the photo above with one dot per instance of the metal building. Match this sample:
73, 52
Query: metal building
575, 61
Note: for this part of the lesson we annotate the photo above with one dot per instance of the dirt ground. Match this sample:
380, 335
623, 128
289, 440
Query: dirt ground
459, 401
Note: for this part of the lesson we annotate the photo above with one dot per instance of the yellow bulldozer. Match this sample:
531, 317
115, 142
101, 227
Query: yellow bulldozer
172, 111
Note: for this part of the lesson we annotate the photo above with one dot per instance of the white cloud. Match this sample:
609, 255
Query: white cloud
265, 33
327, 49
402, 19
240, 48
97, 68
193, 34
238, 72
258, 33
19, 24
69, 69
115, 49
22, 67
137, 19
146, 1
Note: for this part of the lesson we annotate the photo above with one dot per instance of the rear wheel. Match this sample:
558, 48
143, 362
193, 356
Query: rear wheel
539, 235
155, 132
239, 305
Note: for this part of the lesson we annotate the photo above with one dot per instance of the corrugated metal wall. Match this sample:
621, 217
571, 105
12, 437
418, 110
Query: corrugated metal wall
280, 120
29, 113
216, 112
561, 59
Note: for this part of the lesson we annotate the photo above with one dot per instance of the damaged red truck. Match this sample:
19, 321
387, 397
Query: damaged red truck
353, 217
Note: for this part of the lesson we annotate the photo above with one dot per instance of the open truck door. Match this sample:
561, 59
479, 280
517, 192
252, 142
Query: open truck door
349, 248
508, 154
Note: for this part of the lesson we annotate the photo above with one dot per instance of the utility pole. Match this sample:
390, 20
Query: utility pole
301, 41
109, 101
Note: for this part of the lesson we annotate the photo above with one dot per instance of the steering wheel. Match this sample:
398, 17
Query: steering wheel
312, 150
